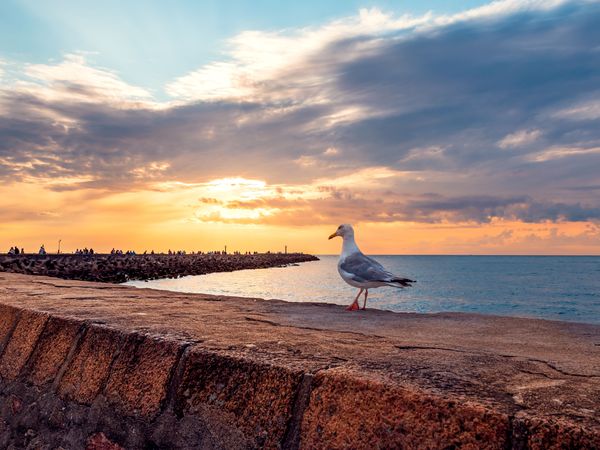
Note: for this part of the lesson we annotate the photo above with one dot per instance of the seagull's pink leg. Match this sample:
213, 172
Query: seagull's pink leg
365, 303
354, 306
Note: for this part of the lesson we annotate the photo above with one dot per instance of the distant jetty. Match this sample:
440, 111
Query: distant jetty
122, 268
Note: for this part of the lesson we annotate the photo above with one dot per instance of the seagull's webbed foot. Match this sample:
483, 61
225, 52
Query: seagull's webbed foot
353, 307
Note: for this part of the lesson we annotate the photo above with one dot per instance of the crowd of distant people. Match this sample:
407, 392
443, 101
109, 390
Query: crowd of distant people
128, 252
84, 251
15, 250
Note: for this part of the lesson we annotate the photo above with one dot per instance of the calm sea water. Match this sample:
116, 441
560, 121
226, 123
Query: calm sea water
550, 287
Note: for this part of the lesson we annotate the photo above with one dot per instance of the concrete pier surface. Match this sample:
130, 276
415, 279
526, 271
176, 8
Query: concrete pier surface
96, 365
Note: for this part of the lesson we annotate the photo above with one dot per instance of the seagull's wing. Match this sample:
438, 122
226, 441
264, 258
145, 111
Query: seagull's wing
363, 269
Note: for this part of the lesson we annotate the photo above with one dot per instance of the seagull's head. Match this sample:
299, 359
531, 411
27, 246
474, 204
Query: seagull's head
344, 230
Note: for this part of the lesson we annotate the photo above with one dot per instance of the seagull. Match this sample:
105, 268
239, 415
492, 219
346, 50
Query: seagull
360, 271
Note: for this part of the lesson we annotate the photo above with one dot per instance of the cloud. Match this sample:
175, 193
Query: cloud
259, 62
487, 208
347, 206
74, 79
248, 201
587, 110
519, 138
365, 105
563, 152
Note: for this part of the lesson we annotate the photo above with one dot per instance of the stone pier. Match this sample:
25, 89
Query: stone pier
100, 366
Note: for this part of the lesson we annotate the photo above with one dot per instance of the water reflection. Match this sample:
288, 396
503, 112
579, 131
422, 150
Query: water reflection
563, 288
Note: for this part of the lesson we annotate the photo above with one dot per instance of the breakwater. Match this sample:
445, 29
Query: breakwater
122, 268
90, 365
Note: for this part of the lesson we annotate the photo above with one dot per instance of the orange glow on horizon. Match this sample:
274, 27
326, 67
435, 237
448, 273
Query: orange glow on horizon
250, 215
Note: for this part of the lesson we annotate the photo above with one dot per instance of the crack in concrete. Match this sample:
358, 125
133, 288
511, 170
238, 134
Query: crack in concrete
427, 347
547, 363
269, 322
563, 372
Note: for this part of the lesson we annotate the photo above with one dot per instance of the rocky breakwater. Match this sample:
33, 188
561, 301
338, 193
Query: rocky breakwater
122, 268
97, 366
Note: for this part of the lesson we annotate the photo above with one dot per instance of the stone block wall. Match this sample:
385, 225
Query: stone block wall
72, 384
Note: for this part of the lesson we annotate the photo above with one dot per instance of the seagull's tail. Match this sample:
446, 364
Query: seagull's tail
400, 282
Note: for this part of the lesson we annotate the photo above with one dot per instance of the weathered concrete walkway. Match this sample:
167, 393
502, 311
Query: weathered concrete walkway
153, 368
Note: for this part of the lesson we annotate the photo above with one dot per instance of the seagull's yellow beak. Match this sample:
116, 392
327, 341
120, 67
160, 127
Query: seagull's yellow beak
333, 235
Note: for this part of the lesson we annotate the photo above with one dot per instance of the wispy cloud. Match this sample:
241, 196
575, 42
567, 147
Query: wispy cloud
74, 80
519, 138
587, 110
563, 152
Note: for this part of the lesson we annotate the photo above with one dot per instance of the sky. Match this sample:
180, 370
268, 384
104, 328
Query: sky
437, 127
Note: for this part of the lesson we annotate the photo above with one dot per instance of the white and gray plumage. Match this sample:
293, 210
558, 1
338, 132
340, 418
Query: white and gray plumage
360, 271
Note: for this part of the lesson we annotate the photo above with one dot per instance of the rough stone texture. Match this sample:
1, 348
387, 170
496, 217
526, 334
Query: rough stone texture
239, 395
358, 410
21, 343
152, 369
138, 379
121, 268
99, 441
87, 373
53, 346
8, 319
554, 434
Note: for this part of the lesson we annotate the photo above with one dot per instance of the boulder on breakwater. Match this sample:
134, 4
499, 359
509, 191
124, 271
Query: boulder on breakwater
122, 268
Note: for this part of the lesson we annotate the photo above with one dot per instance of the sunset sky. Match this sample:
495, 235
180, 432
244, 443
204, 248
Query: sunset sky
433, 126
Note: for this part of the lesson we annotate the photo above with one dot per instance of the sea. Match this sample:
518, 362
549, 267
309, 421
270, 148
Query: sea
563, 288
